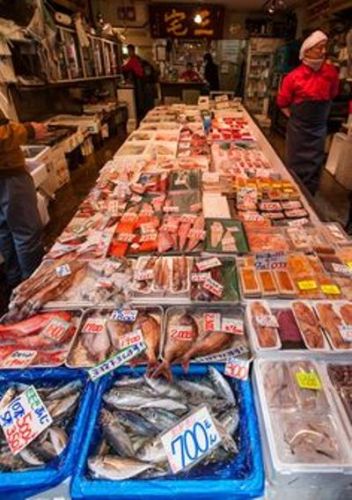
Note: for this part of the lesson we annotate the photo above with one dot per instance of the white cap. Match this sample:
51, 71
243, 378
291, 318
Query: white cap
315, 38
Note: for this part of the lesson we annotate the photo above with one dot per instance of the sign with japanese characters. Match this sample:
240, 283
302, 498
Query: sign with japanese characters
177, 21
24, 419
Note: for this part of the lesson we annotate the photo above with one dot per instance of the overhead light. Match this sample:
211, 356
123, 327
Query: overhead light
273, 6
198, 19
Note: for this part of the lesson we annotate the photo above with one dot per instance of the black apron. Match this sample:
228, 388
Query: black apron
306, 132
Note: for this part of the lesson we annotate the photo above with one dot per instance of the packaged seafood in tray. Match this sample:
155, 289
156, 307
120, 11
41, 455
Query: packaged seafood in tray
266, 240
340, 376
292, 327
336, 320
150, 182
199, 333
182, 180
181, 234
214, 279
339, 270
104, 332
50, 458
135, 149
182, 201
41, 340
192, 163
122, 450
162, 149
141, 136
225, 236
162, 277
336, 234
304, 439
308, 239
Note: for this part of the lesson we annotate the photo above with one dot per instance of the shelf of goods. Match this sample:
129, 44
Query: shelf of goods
192, 255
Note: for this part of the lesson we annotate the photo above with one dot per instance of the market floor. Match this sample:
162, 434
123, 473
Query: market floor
70, 196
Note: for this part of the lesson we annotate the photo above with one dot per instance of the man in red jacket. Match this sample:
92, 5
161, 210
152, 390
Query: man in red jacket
305, 97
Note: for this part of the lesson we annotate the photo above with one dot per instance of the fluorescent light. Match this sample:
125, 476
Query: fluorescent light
197, 19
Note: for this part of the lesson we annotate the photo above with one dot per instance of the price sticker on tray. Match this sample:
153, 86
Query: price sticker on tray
307, 285
213, 287
144, 275
330, 289
189, 441
237, 368
24, 419
346, 332
308, 380
232, 325
200, 277
131, 338
125, 237
212, 322
204, 265
94, 325
56, 329
63, 270
19, 359
124, 315
182, 332
267, 321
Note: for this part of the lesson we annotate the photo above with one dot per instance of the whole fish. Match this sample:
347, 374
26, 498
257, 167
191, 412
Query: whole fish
116, 468
116, 329
152, 451
163, 388
176, 347
10, 462
162, 419
210, 343
134, 422
62, 407
115, 434
221, 386
129, 382
7, 397
121, 397
151, 330
229, 420
197, 390
66, 390
97, 345
31, 458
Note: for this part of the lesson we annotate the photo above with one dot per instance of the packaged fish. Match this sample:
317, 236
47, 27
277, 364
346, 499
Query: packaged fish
249, 283
341, 378
309, 326
309, 399
193, 333
150, 183
104, 332
182, 180
133, 149
214, 280
181, 233
304, 276
183, 202
143, 135
225, 236
308, 238
333, 325
278, 385
265, 240
41, 340
264, 325
267, 283
336, 234
286, 286
289, 332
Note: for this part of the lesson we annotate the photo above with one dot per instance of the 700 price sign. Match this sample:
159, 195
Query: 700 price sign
190, 440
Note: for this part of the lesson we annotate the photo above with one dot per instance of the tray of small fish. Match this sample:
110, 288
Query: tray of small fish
104, 332
225, 236
182, 180
122, 455
214, 279
302, 433
201, 334
41, 340
50, 458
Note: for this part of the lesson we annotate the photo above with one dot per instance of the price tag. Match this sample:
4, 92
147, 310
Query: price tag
94, 325
307, 285
212, 322
330, 289
308, 380
237, 368
147, 227
346, 332
56, 329
148, 237
214, 287
349, 264
125, 237
63, 270
200, 277
124, 315
136, 198
270, 260
113, 208
188, 218
267, 321
232, 325
19, 359
131, 338
204, 265
129, 217
105, 283
298, 222
24, 419
342, 269
182, 332
189, 441
122, 357
146, 275
171, 210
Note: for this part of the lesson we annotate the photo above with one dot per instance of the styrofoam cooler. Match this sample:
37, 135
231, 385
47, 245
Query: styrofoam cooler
339, 160
303, 481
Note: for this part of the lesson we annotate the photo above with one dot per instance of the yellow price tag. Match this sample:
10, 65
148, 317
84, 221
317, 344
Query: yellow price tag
308, 380
349, 264
330, 289
307, 285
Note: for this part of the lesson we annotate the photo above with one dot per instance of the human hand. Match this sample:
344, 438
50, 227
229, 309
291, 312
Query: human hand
41, 130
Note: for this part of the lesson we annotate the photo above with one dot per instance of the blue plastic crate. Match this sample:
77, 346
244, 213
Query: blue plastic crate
242, 478
21, 484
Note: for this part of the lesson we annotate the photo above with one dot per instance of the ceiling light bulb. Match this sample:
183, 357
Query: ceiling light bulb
271, 10
198, 19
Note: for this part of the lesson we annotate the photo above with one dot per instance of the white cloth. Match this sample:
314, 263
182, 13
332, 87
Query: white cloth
315, 38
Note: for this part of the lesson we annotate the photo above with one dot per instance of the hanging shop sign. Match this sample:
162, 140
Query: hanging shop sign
178, 21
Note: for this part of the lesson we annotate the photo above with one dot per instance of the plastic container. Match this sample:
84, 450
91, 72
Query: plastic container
22, 484
242, 479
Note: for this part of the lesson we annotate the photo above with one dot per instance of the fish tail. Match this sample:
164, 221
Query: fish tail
163, 370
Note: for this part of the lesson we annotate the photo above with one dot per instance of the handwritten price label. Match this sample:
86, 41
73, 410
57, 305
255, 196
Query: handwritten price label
171, 210
24, 419
346, 332
267, 321
200, 277
94, 325
232, 325
190, 440
56, 329
212, 322
214, 287
182, 332
148, 237
125, 315
342, 269
19, 359
126, 237
204, 265
308, 380
146, 275
131, 338
63, 270
237, 368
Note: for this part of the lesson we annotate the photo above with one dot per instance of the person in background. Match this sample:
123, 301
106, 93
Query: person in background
190, 75
211, 72
133, 71
20, 224
305, 97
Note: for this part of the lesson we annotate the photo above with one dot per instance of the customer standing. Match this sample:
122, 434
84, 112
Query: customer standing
305, 96
133, 71
20, 224
211, 72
